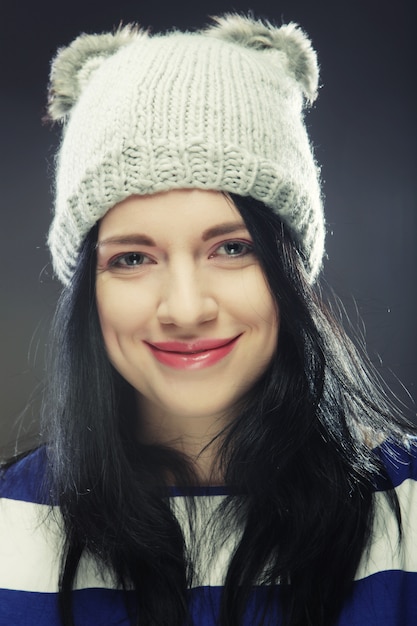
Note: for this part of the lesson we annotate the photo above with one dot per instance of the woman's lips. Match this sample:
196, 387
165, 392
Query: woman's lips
192, 355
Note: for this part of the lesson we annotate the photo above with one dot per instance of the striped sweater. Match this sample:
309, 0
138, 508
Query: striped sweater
385, 588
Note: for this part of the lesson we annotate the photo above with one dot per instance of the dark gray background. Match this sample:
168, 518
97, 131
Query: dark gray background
363, 127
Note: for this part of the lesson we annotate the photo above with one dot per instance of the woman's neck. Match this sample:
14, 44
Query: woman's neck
197, 439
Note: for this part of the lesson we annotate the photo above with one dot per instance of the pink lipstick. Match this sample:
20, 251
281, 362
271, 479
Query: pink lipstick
193, 355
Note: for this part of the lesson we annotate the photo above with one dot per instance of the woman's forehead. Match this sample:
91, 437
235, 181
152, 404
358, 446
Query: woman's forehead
203, 212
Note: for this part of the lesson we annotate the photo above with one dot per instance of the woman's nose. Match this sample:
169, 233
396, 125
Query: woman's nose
186, 299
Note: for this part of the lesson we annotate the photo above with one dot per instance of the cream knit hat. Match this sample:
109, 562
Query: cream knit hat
218, 109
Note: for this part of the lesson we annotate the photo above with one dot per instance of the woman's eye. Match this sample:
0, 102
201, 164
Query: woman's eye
132, 259
234, 248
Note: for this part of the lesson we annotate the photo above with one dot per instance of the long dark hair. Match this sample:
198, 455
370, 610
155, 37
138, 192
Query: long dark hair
300, 454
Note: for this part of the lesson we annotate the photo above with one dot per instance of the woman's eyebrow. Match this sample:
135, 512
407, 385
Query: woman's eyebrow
137, 239
222, 229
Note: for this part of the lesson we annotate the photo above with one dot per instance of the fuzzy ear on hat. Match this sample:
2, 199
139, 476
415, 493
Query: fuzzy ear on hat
73, 66
289, 39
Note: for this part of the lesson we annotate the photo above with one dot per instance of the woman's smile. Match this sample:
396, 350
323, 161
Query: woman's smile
193, 355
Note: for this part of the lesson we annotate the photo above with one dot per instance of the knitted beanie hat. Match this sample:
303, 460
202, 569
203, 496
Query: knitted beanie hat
218, 109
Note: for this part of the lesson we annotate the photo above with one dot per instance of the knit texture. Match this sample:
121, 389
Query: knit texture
216, 109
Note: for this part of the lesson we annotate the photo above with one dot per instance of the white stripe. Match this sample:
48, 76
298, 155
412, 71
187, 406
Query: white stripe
385, 552
30, 549
31, 543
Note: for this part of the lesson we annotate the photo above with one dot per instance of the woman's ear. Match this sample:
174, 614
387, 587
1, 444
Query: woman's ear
74, 65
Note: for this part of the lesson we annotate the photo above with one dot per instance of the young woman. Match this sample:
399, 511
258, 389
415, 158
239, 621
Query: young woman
215, 450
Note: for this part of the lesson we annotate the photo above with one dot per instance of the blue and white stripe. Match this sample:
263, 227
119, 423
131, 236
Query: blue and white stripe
385, 589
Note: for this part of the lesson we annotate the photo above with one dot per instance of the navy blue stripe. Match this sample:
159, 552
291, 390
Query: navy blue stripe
399, 463
386, 598
199, 491
25, 479
383, 599
92, 607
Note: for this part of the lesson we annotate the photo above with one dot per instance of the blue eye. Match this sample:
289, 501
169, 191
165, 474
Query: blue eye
133, 259
234, 248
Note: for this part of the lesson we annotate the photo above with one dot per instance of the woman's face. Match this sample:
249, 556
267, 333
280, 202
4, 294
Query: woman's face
185, 311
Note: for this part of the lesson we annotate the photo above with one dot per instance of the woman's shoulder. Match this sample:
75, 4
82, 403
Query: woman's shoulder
28, 544
31, 543
386, 580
